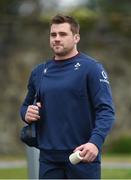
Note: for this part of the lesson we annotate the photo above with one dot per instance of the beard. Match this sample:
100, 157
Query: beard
62, 51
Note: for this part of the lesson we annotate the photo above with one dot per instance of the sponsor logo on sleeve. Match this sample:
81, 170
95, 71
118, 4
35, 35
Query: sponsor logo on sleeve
105, 77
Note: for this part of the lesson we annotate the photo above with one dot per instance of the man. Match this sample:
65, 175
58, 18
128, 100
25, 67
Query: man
75, 103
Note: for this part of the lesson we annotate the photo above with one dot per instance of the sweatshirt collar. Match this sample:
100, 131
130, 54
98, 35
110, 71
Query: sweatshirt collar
66, 60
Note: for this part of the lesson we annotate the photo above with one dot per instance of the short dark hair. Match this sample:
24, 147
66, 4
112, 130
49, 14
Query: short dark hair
59, 19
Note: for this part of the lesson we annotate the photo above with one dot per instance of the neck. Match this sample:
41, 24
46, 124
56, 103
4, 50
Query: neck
67, 56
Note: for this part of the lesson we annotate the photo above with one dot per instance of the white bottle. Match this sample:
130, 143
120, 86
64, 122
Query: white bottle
75, 157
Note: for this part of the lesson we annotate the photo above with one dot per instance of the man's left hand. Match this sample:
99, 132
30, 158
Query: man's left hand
89, 152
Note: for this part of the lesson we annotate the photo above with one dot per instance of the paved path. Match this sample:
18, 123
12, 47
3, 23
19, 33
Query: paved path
116, 165
12, 164
22, 163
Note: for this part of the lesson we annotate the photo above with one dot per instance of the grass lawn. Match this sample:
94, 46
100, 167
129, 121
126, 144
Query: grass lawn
21, 173
116, 173
13, 173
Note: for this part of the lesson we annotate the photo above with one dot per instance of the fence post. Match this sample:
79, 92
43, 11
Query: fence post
33, 162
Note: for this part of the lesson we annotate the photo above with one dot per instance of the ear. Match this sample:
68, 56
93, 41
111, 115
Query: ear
77, 38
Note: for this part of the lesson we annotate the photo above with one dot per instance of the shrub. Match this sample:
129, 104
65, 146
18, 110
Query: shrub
121, 145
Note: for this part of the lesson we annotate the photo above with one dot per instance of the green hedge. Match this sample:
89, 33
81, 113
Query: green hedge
120, 145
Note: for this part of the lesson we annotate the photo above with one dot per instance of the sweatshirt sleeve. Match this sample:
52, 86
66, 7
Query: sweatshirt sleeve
102, 102
30, 96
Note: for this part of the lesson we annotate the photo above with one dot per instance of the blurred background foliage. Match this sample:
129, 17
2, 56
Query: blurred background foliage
24, 42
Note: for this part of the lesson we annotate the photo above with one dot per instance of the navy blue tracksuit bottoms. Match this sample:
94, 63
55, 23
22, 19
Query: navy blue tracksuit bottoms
52, 167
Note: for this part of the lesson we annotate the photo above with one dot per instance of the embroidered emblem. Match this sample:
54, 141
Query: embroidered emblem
77, 66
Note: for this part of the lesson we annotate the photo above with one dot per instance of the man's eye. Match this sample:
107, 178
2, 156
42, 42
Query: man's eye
63, 34
53, 34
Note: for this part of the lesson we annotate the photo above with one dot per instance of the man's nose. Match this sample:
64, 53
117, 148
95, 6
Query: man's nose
57, 38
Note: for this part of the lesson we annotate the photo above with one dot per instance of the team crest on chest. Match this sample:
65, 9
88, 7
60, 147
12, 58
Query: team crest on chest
77, 66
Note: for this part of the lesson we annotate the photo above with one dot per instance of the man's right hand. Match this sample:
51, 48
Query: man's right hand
32, 113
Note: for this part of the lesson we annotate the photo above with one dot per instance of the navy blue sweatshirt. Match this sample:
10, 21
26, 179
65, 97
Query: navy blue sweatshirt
76, 100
